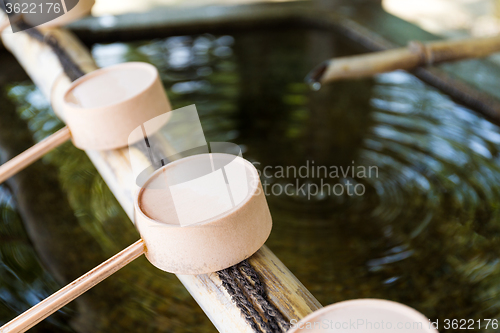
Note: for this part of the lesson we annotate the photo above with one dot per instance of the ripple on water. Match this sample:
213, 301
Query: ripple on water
426, 231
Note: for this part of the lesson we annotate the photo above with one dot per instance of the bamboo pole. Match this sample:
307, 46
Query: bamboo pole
289, 296
415, 55
51, 304
21, 161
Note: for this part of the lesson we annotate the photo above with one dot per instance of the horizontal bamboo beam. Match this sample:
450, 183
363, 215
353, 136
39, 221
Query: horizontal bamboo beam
285, 291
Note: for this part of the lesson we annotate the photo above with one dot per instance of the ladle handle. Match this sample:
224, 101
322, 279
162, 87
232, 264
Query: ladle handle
45, 308
21, 161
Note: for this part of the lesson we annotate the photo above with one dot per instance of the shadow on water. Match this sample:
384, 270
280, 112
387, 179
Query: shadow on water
424, 231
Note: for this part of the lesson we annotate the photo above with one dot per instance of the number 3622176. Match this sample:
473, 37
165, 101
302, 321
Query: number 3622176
33, 8
464, 324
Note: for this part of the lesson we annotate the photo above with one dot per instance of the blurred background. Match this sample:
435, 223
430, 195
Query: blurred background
426, 231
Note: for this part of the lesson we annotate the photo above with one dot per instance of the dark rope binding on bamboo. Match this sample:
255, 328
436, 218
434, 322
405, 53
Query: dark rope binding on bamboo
248, 292
71, 69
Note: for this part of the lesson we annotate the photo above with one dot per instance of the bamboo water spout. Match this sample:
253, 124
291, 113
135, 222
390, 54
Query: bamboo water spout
415, 55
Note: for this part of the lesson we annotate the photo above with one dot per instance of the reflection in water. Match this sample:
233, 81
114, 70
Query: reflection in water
425, 232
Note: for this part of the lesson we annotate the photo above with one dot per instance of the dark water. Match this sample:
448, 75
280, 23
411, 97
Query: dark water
424, 231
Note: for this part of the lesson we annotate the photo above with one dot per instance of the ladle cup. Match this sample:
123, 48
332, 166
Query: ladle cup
202, 214
364, 316
101, 109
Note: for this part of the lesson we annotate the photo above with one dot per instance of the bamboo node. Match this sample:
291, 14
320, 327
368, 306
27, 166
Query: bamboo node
423, 50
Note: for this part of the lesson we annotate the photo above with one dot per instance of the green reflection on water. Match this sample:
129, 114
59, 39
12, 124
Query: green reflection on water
425, 232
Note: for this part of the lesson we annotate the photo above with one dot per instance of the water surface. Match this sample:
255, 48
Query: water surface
425, 231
